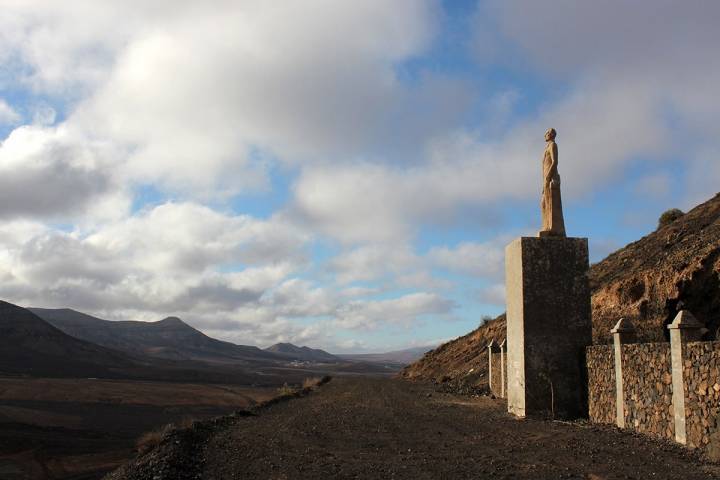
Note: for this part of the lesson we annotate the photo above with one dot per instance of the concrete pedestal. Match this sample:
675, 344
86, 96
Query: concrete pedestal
548, 326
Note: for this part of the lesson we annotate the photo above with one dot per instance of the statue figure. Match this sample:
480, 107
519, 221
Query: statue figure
553, 224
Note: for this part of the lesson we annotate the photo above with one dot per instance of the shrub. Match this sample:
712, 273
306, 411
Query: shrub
286, 390
485, 319
311, 382
669, 216
152, 439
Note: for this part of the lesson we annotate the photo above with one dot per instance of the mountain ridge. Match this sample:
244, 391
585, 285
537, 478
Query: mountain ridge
304, 353
169, 338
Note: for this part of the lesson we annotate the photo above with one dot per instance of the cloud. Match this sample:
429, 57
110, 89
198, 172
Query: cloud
8, 115
493, 295
639, 80
613, 35
50, 172
170, 258
373, 262
656, 185
205, 101
477, 259
619, 98
402, 311
300, 298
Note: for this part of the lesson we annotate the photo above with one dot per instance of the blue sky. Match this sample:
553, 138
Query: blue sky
338, 174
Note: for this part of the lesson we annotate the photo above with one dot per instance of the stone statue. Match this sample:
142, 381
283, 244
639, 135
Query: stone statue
553, 224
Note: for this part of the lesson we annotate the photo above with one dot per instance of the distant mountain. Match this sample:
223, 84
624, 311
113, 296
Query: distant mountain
304, 354
29, 345
397, 357
170, 339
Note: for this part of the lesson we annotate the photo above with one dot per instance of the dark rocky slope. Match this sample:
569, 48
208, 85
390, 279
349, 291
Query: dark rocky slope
170, 339
648, 282
30, 346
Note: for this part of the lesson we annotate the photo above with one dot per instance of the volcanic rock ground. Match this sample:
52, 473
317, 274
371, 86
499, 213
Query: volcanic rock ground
392, 429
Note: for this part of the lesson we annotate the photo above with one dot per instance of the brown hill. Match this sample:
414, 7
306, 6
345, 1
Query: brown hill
648, 282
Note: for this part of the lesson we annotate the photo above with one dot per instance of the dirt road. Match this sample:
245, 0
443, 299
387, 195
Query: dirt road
375, 428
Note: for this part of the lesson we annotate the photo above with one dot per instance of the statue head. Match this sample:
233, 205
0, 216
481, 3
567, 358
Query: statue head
550, 134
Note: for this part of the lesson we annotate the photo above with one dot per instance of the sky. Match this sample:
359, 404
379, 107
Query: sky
335, 173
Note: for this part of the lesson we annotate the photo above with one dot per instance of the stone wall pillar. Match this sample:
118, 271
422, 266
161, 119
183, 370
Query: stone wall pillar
548, 325
623, 333
492, 348
503, 363
685, 328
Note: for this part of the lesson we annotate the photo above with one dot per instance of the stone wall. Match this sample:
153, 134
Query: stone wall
647, 385
647, 391
601, 383
701, 372
495, 374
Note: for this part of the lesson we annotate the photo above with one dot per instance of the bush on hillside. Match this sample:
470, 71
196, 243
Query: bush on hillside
669, 216
150, 440
286, 390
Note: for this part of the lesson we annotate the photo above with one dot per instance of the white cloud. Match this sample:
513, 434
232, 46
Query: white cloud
373, 262
205, 100
620, 98
403, 311
641, 80
8, 115
170, 258
52, 172
478, 259
300, 298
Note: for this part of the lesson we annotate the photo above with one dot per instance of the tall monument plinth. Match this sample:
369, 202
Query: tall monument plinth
548, 325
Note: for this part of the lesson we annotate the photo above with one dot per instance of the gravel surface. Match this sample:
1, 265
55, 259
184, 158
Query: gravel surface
383, 428
392, 429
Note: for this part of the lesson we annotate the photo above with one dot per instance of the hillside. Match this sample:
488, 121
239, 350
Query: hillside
648, 282
170, 339
30, 346
303, 354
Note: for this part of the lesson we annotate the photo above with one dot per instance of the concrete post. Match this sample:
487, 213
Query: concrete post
548, 326
503, 361
685, 328
623, 333
492, 348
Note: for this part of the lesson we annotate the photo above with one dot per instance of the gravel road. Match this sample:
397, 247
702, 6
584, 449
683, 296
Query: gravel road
392, 429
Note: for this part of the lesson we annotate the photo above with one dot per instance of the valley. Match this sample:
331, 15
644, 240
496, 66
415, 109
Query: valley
81, 428
76, 391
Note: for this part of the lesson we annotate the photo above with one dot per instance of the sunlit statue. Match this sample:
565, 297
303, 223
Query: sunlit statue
553, 224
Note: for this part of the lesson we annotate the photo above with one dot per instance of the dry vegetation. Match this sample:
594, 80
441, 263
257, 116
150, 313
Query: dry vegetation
311, 382
152, 439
